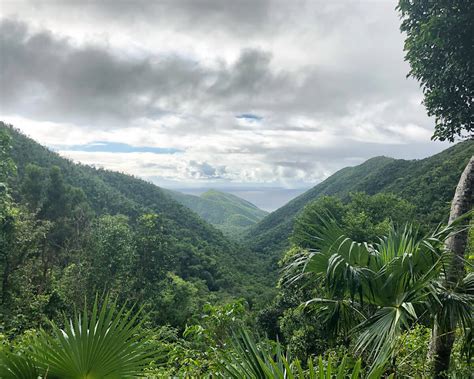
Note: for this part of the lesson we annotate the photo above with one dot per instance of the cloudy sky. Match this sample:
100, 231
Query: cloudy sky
213, 93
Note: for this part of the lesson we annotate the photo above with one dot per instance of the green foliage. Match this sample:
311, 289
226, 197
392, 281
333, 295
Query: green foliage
69, 231
106, 269
106, 343
13, 366
33, 186
7, 166
363, 218
439, 47
198, 352
251, 360
412, 348
376, 291
217, 323
177, 301
227, 212
428, 184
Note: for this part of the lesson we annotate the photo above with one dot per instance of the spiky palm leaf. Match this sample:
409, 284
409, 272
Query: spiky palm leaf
249, 360
108, 344
454, 304
386, 285
16, 366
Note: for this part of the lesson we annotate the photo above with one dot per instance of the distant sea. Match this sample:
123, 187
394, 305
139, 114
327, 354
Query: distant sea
268, 199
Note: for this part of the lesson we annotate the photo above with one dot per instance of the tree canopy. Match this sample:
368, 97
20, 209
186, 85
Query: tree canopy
439, 46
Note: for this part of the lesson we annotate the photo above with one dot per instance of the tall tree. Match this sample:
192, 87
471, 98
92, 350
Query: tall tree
440, 49
153, 256
55, 203
439, 46
110, 253
443, 335
32, 186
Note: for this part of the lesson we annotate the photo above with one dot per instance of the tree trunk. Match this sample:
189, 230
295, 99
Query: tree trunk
442, 338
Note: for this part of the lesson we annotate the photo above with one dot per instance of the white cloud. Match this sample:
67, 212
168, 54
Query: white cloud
326, 78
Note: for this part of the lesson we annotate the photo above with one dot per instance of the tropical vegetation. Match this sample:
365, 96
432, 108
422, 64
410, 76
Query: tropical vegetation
225, 211
439, 48
359, 286
428, 184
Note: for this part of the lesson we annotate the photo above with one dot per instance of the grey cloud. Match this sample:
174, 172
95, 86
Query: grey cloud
47, 77
87, 85
249, 75
203, 170
44, 76
244, 16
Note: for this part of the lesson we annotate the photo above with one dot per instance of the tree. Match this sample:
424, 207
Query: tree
440, 49
32, 186
110, 253
444, 329
363, 218
379, 290
7, 212
153, 256
7, 166
55, 203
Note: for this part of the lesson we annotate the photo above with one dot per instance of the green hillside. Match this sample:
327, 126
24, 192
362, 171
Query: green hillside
227, 212
427, 183
197, 252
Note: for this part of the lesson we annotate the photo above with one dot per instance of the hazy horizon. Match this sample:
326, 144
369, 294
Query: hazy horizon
268, 199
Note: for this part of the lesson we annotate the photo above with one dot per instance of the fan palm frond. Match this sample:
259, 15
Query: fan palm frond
384, 285
16, 366
247, 359
108, 344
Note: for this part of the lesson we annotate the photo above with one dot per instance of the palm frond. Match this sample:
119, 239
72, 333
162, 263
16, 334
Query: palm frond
247, 359
456, 303
338, 260
339, 316
108, 344
15, 366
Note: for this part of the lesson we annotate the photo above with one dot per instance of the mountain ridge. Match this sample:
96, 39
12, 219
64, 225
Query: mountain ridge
413, 180
229, 213
109, 192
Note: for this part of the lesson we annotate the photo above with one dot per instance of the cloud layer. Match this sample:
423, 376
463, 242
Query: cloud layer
271, 92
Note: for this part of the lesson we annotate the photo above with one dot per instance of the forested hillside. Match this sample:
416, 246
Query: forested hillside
69, 233
367, 275
75, 230
428, 183
229, 213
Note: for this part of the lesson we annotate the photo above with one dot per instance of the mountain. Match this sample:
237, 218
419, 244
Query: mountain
206, 253
428, 183
227, 212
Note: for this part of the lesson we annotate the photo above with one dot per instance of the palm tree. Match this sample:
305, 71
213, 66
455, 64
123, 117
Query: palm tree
376, 291
106, 344
444, 329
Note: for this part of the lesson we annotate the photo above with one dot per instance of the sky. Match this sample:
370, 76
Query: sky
222, 94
